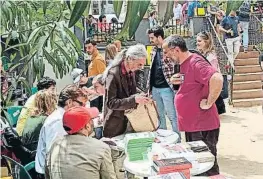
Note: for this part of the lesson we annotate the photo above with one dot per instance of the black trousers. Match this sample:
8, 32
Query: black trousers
210, 138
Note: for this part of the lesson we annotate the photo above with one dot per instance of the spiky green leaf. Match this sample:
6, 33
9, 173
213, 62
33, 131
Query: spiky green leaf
77, 12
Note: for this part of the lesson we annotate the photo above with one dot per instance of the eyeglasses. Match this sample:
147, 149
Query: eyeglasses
79, 102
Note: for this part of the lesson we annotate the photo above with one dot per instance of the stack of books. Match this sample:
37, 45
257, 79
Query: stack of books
198, 146
203, 157
175, 175
165, 166
138, 145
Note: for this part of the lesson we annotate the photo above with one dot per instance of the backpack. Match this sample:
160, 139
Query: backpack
244, 10
220, 105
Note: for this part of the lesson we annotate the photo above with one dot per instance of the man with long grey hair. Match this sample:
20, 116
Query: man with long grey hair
120, 87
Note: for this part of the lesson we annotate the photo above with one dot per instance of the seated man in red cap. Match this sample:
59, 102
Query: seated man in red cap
77, 155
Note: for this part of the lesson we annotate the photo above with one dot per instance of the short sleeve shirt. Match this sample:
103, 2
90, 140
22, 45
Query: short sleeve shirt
230, 22
195, 87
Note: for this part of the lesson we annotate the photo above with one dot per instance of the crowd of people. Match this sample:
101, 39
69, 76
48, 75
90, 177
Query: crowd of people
65, 130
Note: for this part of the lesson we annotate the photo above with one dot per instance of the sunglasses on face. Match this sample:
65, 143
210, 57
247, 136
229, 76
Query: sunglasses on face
79, 102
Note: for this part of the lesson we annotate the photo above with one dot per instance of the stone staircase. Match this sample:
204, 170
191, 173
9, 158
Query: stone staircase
247, 80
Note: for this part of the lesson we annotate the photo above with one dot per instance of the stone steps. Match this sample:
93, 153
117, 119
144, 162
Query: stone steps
247, 69
250, 54
247, 85
247, 80
247, 77
244, 62
248, 102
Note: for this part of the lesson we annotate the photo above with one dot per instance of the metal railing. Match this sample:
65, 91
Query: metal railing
221, 51
255, 31
173, 28
103, 32
220, 48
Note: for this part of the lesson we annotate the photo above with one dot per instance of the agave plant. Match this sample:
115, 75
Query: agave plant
135, 12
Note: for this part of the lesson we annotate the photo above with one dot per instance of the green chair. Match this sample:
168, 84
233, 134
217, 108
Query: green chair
34, 90
17, 170
13, 114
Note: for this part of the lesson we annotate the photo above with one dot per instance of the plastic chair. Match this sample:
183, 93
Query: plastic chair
34, 90
17, 170
13, 114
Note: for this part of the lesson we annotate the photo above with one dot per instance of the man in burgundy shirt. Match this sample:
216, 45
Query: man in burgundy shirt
200, 86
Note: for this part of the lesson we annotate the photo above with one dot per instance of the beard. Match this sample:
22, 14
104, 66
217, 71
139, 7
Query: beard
175, 59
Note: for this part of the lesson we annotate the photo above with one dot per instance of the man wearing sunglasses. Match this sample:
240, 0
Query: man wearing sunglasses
79, 77
70, 96
200, 86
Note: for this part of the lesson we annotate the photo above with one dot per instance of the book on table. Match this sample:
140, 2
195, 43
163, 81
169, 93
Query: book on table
203, 157
198, 146
174, 175
185, 172
138, 145
179, 163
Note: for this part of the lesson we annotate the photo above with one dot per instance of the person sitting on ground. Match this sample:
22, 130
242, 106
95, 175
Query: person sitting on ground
110, 52
69, 97
44, 83
77, 155
45, 104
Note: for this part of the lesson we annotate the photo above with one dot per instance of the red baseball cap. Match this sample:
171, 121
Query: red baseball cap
76, 118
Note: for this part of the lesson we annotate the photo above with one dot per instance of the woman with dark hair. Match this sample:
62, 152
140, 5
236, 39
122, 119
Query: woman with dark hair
103, 25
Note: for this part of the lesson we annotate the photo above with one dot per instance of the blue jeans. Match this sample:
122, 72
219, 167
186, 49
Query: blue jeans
244, 27
164, 98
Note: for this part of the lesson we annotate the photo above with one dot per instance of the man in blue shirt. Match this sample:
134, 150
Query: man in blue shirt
191, 8
230, 26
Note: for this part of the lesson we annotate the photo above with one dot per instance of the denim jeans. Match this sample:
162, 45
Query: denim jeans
244, 27
164, 98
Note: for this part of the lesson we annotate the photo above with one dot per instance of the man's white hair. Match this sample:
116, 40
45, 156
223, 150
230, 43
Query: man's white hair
134, 52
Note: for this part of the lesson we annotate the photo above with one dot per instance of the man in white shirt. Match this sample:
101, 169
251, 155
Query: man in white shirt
69, 97
177, 10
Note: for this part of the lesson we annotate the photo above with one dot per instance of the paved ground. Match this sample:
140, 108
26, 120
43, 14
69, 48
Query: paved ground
240, 148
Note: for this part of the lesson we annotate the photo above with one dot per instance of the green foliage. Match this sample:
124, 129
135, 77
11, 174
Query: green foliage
77, 12
143, 6
117, 5
169, 12
40, 27
233, 5
135, 12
